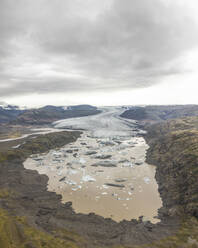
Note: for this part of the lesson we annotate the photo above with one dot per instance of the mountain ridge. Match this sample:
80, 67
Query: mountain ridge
159, 113
44, 115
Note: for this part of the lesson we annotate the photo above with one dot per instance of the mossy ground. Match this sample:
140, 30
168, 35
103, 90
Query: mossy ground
186, 237
16, 233
5, 193
39, 144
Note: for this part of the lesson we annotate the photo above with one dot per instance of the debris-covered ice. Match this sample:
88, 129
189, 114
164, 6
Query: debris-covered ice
120, 180
90, 153
115, 185
106, 163
103, 156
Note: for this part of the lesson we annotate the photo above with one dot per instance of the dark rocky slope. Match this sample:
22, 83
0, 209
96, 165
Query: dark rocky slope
30, 216
152, 114
45, 115
174, 149
9, 113
48, 114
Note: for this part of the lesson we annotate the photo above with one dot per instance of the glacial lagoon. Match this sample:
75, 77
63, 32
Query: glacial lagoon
106, 176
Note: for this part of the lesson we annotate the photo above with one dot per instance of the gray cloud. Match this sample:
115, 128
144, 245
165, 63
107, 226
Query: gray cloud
56, 46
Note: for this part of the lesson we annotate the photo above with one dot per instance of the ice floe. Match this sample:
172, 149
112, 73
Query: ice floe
88, 178
147, 180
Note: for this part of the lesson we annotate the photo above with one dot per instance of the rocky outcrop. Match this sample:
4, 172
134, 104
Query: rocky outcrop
174, 150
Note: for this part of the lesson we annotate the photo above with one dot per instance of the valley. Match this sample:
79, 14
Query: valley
95, 185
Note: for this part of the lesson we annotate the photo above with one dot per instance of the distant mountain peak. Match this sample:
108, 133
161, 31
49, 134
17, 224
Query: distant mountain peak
6, 106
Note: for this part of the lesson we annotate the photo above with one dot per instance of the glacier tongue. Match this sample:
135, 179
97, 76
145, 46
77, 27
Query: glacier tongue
106, 124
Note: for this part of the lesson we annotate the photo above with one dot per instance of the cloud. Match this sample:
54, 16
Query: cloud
73, 46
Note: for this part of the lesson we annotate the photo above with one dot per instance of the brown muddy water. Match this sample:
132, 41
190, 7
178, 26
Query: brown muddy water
106, 176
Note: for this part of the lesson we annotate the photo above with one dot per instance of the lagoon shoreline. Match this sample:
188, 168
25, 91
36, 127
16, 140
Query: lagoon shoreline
44, 209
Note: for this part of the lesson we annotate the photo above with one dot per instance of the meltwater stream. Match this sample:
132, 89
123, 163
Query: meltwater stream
104, 171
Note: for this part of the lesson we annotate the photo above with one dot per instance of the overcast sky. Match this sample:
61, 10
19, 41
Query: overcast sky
102, 52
